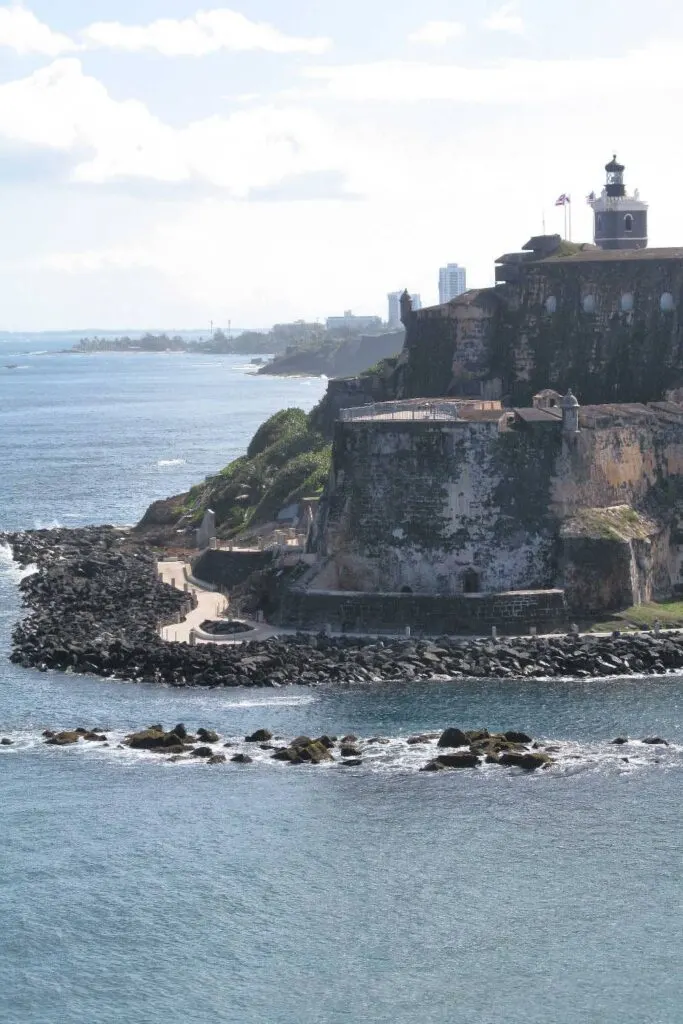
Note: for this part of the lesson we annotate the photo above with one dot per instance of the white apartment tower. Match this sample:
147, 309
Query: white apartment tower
452, 282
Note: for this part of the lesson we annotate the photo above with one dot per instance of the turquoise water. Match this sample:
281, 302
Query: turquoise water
139, 891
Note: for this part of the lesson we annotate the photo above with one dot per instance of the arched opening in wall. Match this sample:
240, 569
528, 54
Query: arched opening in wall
666, 303
626, 302
551, 304
628, 223
406, 590
471, 582
599, 222
588, 304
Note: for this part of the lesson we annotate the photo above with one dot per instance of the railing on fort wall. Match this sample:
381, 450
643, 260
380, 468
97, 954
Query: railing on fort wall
402, 411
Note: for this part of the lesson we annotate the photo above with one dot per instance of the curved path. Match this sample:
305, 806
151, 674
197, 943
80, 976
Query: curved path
210, 605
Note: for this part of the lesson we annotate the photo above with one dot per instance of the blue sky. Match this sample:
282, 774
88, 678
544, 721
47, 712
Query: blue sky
170, 163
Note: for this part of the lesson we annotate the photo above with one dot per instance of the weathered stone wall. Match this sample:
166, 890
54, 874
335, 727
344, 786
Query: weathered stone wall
593, 324
447, 349
228, 569
425, 614
425, 505
445, 507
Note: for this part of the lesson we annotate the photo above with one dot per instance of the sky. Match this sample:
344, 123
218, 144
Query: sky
166, 164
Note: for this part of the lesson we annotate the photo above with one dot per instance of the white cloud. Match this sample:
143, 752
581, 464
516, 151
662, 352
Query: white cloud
437, 33
61, 108
506, 19
205, 32
21, 31
654, 69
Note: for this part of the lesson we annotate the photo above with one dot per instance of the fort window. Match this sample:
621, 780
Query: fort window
628, 222
551, 304
666, 303
626, 302
406, 590
471, 582
589, 303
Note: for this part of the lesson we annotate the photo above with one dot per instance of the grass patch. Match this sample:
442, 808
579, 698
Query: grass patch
668, 613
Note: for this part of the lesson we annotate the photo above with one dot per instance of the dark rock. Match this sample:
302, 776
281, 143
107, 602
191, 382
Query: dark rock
202, 752
207, 736
464, 760
260, 736
349, 751
656, 740
424, 737
351, 763
620, 740
150, 739
349, 739
217, 759
64, 739
454, 738
529, 761
241, 759
48, 733
6, 742
517, 737
180, 731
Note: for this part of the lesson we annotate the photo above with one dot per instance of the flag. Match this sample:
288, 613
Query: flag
563, 200
591, 197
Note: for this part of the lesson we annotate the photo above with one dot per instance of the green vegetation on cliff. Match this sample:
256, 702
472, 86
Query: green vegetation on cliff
287, 460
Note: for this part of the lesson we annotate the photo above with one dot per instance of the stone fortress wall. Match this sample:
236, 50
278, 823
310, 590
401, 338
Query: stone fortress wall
506, 495
605, 323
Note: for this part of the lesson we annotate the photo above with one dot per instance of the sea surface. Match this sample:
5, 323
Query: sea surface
133, 890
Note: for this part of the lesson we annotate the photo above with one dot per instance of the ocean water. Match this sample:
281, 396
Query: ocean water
136, 890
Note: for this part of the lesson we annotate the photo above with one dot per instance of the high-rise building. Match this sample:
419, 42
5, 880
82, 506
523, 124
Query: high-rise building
452, 282
394, 317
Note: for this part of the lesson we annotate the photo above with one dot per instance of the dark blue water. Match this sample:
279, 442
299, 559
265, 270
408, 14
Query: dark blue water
133, 890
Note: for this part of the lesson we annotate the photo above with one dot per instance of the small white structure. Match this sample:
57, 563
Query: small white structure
207, 531
570, 413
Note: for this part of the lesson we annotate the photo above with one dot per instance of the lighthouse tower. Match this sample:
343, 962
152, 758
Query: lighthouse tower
620, 219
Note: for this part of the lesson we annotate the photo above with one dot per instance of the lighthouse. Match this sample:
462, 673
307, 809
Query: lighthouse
620, 220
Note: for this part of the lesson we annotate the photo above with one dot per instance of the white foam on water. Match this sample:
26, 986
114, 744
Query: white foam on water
394, 755
11, 569
164, 463
272, 702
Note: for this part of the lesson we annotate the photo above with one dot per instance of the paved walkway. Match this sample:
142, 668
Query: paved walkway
209, 604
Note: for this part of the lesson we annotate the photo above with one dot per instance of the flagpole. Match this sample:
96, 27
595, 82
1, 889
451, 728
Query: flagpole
564, 210
570, 218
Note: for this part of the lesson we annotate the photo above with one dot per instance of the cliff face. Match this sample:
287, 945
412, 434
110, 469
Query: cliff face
337, 359
606, 324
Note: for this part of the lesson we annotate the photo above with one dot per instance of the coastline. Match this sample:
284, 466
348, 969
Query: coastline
96, 606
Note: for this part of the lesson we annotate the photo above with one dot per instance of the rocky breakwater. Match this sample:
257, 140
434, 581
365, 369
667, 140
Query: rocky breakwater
96, 604
94, 599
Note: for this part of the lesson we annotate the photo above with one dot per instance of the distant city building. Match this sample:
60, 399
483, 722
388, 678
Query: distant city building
394, 318
296, 332
452, 282
350, 322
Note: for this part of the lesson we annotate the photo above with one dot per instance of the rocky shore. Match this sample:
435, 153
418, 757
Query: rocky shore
444, 750
95, 605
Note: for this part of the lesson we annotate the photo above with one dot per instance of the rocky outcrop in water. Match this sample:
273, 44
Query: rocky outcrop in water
96, 604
